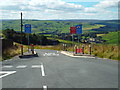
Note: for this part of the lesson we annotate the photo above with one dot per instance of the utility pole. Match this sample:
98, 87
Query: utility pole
21, 35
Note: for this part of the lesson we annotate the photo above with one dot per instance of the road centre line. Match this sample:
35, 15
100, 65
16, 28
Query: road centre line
42, 70
44, 87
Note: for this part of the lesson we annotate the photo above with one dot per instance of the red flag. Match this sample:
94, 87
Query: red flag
72, 30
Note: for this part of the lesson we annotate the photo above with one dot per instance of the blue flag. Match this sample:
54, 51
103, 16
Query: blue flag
79, 29
27, 28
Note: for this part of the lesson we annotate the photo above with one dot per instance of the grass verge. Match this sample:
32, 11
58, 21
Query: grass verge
12, 51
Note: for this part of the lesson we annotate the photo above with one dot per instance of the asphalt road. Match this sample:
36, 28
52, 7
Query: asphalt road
55, 70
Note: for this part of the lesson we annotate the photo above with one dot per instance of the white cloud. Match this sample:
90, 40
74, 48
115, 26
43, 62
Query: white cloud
54, 5
90, 10
107, 4
12, 2
102, 6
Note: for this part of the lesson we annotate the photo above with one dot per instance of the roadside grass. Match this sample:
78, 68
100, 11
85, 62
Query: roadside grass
12, 51
56, 47
106, 51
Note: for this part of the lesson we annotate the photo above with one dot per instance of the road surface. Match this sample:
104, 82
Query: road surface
55, 70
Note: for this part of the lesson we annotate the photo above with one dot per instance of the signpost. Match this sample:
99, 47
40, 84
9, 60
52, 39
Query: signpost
73, 31
79, 31
76, 30
27, 29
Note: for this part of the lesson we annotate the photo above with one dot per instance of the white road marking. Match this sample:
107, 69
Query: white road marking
71, 55
42, 70
36, 66
51, 54
21, 66
44, 87
6, 73
7, 66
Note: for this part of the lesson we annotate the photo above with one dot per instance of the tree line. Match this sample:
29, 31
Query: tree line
35, 39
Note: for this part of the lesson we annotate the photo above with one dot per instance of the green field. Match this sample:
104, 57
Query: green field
111, 37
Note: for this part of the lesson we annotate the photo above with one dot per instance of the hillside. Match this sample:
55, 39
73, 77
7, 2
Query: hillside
111, 37
50, 26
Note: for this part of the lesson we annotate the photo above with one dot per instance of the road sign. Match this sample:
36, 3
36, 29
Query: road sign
72, 30
79, 29
27, 28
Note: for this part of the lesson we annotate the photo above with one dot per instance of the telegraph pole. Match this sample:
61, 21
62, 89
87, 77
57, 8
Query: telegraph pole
21, 35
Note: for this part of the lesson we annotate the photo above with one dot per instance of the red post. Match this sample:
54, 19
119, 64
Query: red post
32, 48
82, 49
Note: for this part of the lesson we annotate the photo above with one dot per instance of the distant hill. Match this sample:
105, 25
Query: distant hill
61, 26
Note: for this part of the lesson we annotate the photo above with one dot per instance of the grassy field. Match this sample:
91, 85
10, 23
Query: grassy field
89, 27
62, 41
100, 35
111, 37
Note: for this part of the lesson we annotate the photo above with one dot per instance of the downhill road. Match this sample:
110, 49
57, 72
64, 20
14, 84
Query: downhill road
55, 70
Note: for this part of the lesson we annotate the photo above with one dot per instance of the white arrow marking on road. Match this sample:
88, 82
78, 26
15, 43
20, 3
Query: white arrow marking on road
42, 70
6, 73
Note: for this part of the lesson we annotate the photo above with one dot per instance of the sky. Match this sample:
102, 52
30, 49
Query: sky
59, 9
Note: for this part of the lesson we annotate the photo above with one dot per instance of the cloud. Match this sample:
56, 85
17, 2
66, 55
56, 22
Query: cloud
53, 9
91, 10
102, 6
13, 2
107, 4
55, 5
